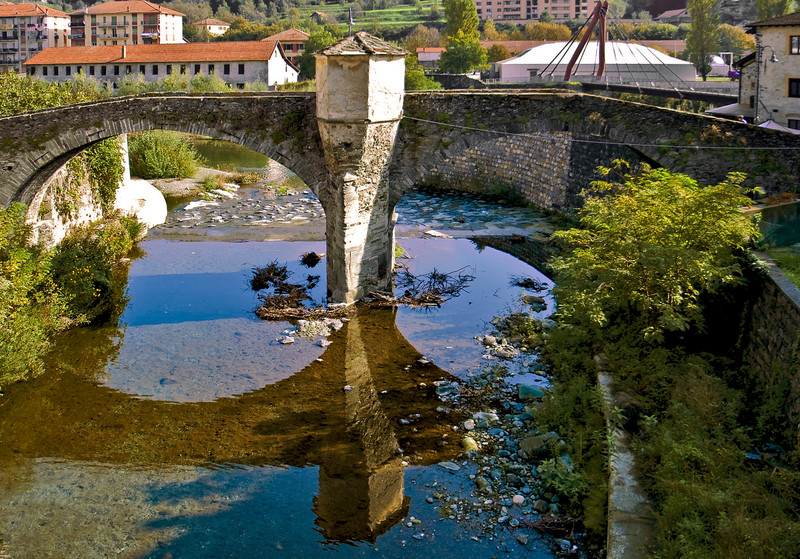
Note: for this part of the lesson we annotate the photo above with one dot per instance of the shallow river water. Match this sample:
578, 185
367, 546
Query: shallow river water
187, 429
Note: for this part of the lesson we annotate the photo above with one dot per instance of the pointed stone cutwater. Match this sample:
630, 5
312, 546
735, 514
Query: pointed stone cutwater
360, 87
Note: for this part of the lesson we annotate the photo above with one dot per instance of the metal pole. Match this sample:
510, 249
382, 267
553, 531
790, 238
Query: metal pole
759, 52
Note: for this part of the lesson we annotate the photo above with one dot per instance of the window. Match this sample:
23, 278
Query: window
44, 70
196, 68
226, 69
210, 69
91, 70
240, 85
103, 70
116, 70
794, 44
155, 69
78, 69
794, 87
55, 70
142, 69
793, 123
183, 69
241, 69
128, 69
68, 70
169, 69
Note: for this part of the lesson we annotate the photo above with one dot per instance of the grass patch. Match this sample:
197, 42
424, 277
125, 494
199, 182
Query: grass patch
162, 154
788, 260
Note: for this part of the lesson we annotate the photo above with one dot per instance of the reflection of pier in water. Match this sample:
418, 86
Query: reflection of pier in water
306, 419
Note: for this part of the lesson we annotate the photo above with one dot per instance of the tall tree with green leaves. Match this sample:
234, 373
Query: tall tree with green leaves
318, 40
463, 54
461, 36
461, 15
767, 9
703, 40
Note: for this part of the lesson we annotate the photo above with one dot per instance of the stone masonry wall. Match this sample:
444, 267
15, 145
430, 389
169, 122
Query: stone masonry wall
60, 206
772, 346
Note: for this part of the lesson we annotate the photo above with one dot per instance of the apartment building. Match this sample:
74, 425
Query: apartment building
132, 22
237, 63
26, 29
215, 27
516, 11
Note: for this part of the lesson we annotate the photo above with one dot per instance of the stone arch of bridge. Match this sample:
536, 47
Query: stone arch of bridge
283, 128
545, 168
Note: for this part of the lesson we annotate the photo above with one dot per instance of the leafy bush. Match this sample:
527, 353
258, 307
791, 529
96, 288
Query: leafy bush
161, 154
82, 268
650, 246
28, 302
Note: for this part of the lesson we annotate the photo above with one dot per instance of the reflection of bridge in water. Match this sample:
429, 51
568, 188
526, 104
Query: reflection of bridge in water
307, 419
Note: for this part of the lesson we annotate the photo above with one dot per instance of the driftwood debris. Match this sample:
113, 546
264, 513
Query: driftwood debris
287, 300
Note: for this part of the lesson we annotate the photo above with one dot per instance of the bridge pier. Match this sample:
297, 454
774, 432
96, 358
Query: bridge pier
360, 87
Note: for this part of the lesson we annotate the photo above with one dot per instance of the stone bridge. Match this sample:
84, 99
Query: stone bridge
359, 148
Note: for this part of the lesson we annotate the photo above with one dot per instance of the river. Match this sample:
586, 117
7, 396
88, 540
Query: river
185, 428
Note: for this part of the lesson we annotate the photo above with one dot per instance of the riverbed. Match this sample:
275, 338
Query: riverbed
187, 427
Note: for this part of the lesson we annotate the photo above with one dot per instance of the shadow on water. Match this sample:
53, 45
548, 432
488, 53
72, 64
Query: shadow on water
341, 413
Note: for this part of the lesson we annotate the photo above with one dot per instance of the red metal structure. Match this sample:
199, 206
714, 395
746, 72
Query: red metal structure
598, 16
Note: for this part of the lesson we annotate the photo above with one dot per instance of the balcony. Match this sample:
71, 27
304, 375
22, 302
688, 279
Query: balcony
112, 25
77, 36
8, 50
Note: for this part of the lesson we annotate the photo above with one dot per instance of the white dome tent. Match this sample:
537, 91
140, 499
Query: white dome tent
624, 63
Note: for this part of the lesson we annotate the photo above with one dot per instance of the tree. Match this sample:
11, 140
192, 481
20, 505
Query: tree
464, 54
735, 40
495, 53
649, 247
415, 76
490, 32
316, 41
421, 37
772, 8
547, 32
703, 40
546, 17
461, 15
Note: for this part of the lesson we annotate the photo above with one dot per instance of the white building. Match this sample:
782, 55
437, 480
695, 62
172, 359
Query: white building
774, 84
237, 63
215, 27
625, 63
515, 11
26, 29
125, 23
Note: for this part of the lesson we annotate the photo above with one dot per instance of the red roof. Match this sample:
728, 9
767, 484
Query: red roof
11, 10
240, 51
212, 21
289, 35
127, 7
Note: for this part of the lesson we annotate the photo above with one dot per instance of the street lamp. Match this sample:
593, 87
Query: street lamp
759, 57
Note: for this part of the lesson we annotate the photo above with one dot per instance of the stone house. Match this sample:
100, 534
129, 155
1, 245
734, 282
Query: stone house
237, 63
26, 29
130, 22
770, 78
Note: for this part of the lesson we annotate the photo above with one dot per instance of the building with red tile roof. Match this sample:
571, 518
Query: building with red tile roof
213, 26
237, 63
26, 29
130, 22
293, 42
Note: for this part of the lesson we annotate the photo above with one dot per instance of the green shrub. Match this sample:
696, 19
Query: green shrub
161, 154
28, 301
82, 268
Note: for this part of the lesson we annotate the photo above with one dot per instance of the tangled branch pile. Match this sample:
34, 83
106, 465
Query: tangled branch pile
427, 290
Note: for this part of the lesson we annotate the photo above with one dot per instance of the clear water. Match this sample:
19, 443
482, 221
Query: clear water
185, 429
780, 225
